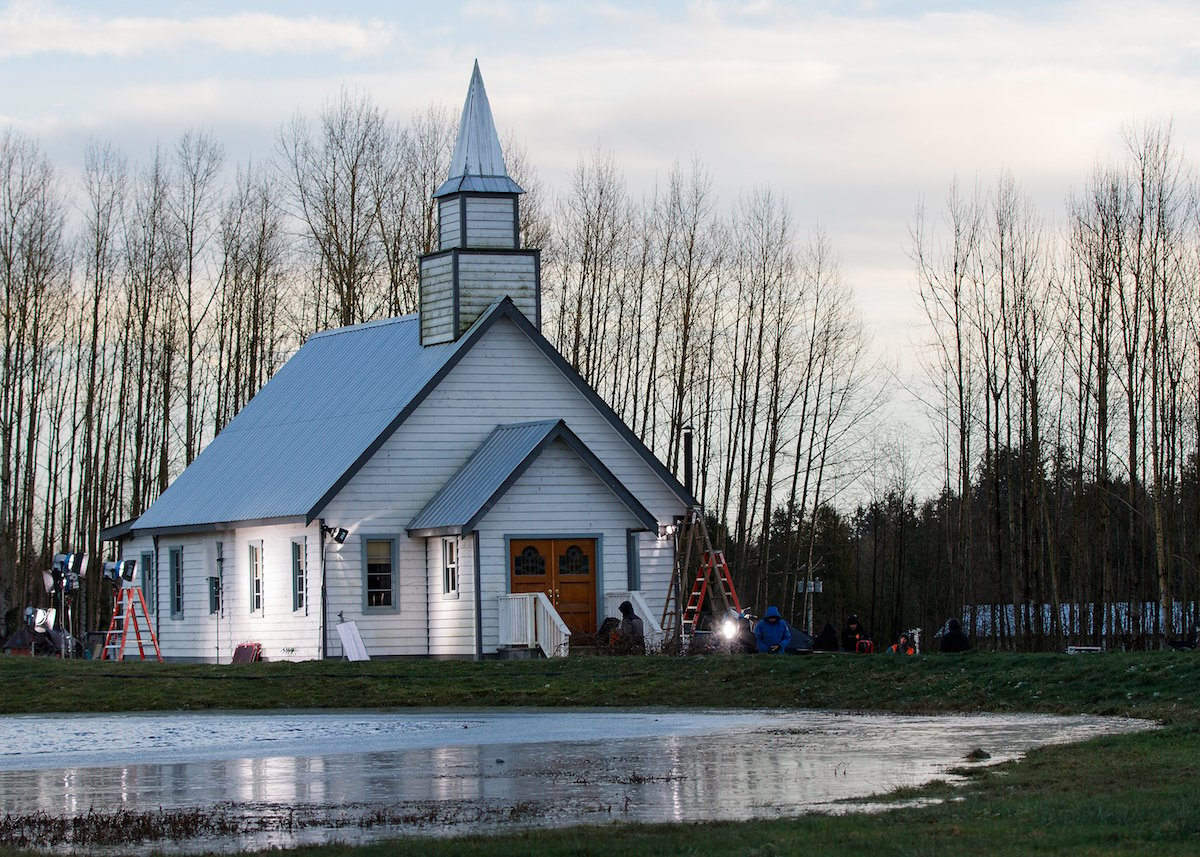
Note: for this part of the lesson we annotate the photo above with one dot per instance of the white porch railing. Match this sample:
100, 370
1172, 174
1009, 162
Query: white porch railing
650, 624
529, 619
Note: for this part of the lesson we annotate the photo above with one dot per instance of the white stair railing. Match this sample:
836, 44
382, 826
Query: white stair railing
516, 621
529, 619
553, 636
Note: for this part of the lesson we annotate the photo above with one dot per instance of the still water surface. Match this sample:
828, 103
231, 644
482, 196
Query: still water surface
291, 778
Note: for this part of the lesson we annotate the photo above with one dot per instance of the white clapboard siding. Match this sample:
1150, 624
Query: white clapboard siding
452, 620
135, 548
504, 378
656, 565
482, 279
485, 278
402, 629
437, 299
283, 633
183, 637
490, 222
449, 222
557, 496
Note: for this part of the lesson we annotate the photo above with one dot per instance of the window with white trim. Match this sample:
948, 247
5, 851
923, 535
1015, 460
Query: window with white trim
299, 582
379, 574
450, 568
175, 566
149, 588
256, 577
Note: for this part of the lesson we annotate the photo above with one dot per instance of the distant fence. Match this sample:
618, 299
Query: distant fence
1078, 622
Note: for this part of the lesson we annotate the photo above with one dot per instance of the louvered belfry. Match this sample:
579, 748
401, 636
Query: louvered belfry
479, 258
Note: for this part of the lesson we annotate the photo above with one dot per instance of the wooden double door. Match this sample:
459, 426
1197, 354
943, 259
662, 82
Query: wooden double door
564, 569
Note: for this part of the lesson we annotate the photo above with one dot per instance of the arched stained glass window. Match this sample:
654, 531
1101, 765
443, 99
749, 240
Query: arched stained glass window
574, 561
529, 561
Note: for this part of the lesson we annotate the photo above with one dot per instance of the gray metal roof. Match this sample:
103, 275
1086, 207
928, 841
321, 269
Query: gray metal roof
478, 162
492, 469
305, 429
297, 443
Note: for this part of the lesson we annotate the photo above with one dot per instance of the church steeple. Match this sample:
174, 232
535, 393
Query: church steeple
479, 258
478, 162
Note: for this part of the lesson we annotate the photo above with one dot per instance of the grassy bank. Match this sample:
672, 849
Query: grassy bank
1159, 686
1133, 794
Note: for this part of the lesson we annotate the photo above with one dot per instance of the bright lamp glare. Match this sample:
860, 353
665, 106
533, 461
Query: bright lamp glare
729, 629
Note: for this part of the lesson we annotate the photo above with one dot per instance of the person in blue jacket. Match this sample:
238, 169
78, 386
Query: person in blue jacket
772, 633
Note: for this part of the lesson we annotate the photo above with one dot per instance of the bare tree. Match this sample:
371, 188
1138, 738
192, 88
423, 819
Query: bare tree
99, 311
193, 204
251, 341
333, 181
947, 278
34, 275
149, 344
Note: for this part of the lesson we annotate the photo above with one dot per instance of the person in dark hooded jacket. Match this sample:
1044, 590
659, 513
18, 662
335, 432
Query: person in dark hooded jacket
827, 640
630, 635
853, 634
772, 632
903, 646
954, 640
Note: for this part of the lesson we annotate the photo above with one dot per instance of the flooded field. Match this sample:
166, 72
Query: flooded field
231, 781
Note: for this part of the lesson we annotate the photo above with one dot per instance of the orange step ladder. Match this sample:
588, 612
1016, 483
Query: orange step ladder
713, 567
127, 607
712, 581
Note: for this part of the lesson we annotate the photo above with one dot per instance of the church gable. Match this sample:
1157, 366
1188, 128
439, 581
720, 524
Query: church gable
507, 374
496, 464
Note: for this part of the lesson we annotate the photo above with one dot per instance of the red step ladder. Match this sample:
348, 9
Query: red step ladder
128, 606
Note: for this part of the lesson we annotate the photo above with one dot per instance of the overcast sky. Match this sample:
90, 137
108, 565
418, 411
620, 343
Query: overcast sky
853, 111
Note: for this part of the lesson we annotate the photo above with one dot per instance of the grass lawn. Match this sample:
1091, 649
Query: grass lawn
1133, 794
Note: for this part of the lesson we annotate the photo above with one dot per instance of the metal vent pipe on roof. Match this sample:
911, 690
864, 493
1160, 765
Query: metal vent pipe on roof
687, 461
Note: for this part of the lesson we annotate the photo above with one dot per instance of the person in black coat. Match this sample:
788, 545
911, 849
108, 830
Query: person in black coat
827, 640
853, 634
954, 640
630, 635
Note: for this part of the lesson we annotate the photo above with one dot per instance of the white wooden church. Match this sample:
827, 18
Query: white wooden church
444, 480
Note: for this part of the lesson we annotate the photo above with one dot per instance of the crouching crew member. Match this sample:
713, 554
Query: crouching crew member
772, 632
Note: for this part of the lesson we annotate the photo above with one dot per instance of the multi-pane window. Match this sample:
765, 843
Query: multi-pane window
149, 591
256, 577
175, 574
214, 595
298, 579
380, 572
574, 561
529, 561
450, 567
220, 567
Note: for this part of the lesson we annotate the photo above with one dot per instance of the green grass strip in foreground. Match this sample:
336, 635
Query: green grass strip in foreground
1162, 686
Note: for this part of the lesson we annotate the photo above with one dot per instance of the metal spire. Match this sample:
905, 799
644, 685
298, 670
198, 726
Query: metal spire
478, 162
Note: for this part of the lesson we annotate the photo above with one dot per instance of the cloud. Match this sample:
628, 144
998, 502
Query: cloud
32, 28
